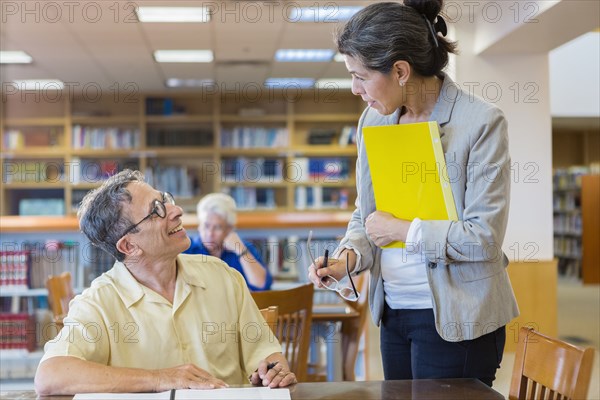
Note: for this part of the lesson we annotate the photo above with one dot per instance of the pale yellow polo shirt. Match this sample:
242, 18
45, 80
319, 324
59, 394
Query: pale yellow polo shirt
213, 322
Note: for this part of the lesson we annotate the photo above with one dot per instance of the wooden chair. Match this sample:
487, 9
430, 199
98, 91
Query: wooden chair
60, 293
270, 315
293, 323
549, 368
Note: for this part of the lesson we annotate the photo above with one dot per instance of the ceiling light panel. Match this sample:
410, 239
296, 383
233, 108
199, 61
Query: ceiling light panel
330, 13
284, 83
183, 56
15, 57
304, 55
173, 14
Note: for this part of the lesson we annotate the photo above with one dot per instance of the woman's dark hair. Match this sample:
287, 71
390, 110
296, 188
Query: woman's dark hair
100, 213
383, 33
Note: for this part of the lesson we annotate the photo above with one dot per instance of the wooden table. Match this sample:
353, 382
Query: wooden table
426, 389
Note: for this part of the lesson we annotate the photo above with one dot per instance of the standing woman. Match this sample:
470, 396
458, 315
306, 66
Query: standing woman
217, 217
443, 304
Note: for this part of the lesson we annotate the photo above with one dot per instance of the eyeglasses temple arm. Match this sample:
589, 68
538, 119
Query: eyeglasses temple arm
308, 243
349, 276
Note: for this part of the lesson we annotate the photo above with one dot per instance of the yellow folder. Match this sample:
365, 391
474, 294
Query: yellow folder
409, 174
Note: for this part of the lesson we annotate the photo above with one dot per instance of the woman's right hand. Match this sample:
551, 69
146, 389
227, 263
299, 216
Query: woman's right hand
335, 267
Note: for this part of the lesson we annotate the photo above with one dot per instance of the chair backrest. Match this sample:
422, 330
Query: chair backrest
293, 323
353, 330
270, 315
546, 366
60, 293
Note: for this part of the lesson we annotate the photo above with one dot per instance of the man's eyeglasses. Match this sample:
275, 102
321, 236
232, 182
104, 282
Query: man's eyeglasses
329, 282
159, 209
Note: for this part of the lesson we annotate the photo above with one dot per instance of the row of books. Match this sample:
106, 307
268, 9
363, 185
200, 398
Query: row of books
246, 137
179, 180
318, 197
163, 106
566, 201
319, 169
567, 247
15, 139
17, 331
101, 138
242, 169
251, 198
98, 170
30, 266
14, 269
568, 224
567, 178
30, 171
180, 137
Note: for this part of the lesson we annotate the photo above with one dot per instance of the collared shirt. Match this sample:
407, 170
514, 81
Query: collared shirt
212, 323
233, 260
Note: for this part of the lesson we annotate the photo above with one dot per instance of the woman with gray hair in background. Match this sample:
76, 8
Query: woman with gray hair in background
217, 237
443, 301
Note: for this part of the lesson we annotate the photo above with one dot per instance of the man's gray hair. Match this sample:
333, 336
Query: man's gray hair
100, 213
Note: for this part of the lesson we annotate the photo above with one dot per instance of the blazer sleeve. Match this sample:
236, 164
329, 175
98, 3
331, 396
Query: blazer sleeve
356, 237
478, 235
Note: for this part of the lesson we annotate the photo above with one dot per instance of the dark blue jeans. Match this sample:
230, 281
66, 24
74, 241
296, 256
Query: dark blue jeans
411, 348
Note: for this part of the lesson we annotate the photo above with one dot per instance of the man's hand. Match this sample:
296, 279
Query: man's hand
186, 376
278, 376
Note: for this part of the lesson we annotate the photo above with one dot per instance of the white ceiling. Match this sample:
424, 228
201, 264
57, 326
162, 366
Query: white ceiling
86, 45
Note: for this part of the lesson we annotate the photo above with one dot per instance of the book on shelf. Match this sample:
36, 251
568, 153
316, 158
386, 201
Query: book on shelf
14, 269
16, 139
163, 106
42, 171
96, 262
317, 197
250, 198
17, 331
321, 136
321, 169
179, 180
252, 170
348, 136
248, 137
41, 206
169, 136
52, 258
84, 170
101, 138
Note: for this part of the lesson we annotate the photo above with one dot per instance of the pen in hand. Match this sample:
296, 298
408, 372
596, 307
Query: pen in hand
269, 367
325, 258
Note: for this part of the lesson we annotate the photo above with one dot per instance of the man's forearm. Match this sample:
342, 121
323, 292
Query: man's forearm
70, 375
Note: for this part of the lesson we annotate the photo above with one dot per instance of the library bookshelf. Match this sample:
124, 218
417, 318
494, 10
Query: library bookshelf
271, 152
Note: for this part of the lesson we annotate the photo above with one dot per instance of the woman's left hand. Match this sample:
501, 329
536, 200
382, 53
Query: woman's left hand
383, 228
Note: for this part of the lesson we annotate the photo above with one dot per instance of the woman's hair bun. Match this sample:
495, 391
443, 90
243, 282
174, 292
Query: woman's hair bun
429, 8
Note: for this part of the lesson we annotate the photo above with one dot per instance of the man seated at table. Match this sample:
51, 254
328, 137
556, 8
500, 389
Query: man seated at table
157, 320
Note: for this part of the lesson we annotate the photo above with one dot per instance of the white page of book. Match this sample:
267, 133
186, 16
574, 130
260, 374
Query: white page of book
247, 393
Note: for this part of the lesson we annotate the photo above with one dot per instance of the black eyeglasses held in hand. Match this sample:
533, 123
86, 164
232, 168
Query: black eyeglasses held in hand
159, 209
329, 282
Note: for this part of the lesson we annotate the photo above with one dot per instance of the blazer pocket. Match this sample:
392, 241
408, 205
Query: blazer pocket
470, 272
